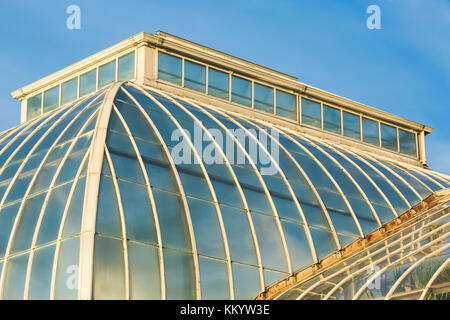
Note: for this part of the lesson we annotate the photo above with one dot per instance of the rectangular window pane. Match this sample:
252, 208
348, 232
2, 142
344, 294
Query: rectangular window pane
88, 82
331, 119
352, 126
388, 137
126, 67
109, 272
241, 91
34, 106
286, 106
370, 132
263, 98
218, 83
51, 99
194, 76
169, 68
107, 74
214, 279
69, 91
407, 142
311, 113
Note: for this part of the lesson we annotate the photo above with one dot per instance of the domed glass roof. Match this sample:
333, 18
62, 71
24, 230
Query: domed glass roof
134, 193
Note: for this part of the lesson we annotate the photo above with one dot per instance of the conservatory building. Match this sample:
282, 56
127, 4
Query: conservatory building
162, 169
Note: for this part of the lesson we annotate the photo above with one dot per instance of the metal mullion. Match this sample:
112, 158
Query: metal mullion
351, 179
50, 191
294, 197
363, 173
314, 189
63, 222
336, 185
178, 180
19, 213
401, 249
19, 147
359, 261
407, 272
122, 224
3, 166
414, 178
31, 134
392, 264
396, 175
151, 198
419, 172
213, 193
241, 193
382, 176
433, 278
95, 163
437, 175
20, 128
263, 184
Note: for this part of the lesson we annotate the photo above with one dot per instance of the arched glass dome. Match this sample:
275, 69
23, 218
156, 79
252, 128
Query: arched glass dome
94, 205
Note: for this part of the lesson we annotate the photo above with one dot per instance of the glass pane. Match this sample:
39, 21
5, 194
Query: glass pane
311, 113
180, 276
194, 76
298, 246
169, 68
139, 220
246, 282
214, 279
108, 221
241, 91
240, 239
351, 124
51, 99
26, 227
270, 245
126, 67
286, 105
370, 132
323, 242
53, 214
218, 83
41, 274
331, 119
109, 273
143, 263
16, 271
407, 142
72, 225
263, 98
34, 106
69, 91
66, 282
388, 137
172, 220
88, 82
7, 216
206, 228
107, 74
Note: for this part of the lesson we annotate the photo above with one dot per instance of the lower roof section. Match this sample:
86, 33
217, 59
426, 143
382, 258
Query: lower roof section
412, 261
135, 193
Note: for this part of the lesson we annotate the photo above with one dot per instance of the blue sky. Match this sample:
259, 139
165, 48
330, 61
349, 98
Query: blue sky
404, 68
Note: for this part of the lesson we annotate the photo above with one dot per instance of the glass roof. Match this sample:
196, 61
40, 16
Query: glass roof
103, 174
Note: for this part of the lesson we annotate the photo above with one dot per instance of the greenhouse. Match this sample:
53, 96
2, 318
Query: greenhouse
162, 169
